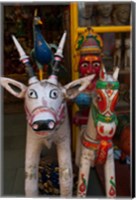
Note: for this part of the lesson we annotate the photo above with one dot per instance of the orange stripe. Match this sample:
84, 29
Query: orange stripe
89, 144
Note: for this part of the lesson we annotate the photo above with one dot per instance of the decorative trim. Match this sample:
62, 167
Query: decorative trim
112, 191
98, 117
107, 85
93, 145
101, 147
82, 186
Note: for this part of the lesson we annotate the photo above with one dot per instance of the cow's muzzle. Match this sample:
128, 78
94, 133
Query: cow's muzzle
43, 125
45, 119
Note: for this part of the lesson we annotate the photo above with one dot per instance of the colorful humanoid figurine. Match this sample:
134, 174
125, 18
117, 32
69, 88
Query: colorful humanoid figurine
90, 62
90, 58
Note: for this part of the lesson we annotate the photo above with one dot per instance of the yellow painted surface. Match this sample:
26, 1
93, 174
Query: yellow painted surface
41, 74
104, 29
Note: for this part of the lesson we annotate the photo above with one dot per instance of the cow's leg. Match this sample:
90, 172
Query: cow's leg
85, 164
109, 170
33, 150
65, 168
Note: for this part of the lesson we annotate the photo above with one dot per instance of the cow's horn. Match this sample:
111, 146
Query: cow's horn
25, 60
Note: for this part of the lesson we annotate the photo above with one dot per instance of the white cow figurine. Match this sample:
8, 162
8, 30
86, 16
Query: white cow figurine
96, 139
47, 117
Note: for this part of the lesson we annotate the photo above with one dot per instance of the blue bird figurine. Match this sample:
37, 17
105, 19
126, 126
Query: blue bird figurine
42, 53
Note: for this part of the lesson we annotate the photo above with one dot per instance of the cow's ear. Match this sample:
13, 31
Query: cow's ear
72, 89
14, 87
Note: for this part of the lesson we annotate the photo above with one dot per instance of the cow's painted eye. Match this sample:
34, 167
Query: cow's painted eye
32, 94
53, 94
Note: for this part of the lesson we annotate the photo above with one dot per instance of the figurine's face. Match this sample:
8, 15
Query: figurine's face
90, 64
44, 106
107, 100
123, 13
87, 11
105, 9
106, 97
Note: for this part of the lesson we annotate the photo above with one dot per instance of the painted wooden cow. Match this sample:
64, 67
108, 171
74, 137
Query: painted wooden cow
47, 119
96, 138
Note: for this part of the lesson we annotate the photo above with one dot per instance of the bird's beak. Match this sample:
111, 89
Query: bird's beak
40, 22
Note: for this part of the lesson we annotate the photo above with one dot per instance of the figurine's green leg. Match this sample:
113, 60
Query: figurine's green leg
109, 169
